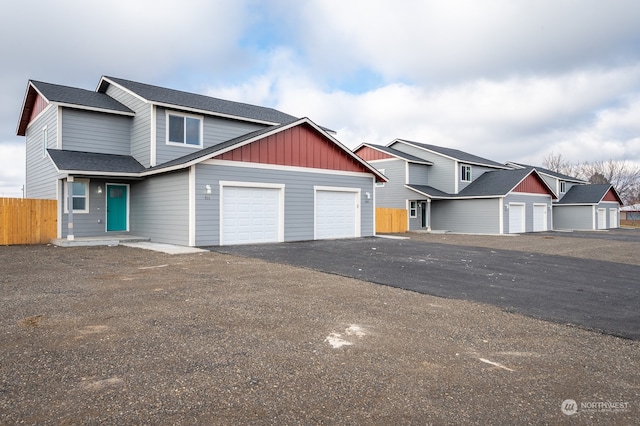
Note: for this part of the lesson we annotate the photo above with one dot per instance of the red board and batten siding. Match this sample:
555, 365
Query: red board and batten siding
370, 154
38, 106
298, 146
610, 196
532, 185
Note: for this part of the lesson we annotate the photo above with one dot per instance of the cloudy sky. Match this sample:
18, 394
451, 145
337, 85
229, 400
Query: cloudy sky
504, 79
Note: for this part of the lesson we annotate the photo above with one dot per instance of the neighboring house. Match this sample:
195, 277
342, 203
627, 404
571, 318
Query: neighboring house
560, 183
588, 207
630, 212
188, 169
450, 190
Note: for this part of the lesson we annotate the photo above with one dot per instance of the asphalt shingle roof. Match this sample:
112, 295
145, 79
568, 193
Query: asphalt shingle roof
399, 154
201, 102
94, 162
585, 194
80, 97
551, 173
499, 182
431, 191
462, 156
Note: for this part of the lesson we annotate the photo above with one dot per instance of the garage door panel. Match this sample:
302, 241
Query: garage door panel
250, 215
336, 214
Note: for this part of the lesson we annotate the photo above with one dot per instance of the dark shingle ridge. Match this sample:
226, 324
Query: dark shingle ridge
77, 96
457, 154
202, 102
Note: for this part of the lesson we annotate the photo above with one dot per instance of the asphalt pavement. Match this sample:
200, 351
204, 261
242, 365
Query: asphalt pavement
596, 295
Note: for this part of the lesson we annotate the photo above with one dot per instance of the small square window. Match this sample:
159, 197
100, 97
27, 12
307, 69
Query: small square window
380, 184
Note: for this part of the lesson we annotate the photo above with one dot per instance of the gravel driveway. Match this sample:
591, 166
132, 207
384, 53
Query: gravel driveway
117, 335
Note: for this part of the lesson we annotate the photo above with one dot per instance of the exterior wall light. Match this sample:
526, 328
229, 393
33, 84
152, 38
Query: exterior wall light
99, 189
207, 189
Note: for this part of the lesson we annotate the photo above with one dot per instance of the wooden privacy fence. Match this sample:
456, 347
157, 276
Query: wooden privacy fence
390, 220
27, 221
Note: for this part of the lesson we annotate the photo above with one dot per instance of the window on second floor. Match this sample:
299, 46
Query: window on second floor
563, 187
184, 129
465, 173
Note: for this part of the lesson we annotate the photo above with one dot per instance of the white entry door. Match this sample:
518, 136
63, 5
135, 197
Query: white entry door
251, 215
337, 213
539, 217
516, 218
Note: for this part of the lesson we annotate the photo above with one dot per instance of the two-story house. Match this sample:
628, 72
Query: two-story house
580, 205
188, 169
451, 190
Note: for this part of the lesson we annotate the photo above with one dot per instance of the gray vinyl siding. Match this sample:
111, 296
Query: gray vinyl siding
418, 174
40, 172
298, 199
393, 194
215, 131
476, 172
573, 217
93, 223
140, 134
442, 173
477, 216
160, 208
91, 131
529, 201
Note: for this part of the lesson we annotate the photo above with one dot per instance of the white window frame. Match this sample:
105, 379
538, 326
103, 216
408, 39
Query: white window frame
464, 167
413, 209
45, 141
563, 187
380, 184
184, 116
86, 196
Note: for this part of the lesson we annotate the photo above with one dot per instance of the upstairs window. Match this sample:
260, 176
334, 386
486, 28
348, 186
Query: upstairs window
465, 173
184, 129
563, 187
45, 141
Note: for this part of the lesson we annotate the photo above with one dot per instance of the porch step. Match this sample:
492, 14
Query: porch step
98, 241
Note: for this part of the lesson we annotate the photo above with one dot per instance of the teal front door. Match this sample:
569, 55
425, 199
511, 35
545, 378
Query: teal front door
117, 207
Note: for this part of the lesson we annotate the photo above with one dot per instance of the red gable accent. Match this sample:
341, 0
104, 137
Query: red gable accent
369, 154
532, 184
299, 146
38, 106
611, 196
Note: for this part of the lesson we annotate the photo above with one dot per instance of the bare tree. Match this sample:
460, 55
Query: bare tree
624, 177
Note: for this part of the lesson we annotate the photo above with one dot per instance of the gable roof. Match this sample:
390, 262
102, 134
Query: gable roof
453, 154
547, 172
496, 183
66, 96
75, 161
124, 165
588, 194
395, 153
193, 101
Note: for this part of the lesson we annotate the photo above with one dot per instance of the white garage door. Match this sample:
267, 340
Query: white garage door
602, 219
251, 215
539, 217
516, 218
613, 218
337, 214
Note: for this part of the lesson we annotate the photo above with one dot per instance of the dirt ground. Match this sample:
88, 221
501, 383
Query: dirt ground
118, 335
